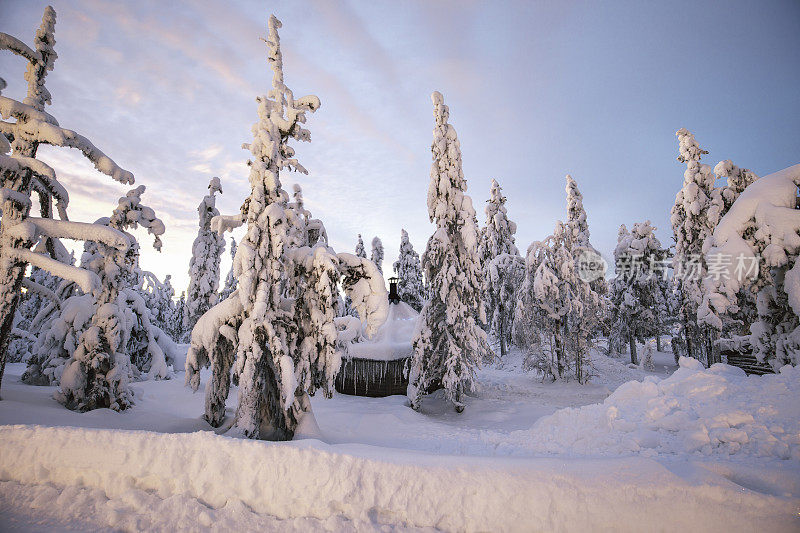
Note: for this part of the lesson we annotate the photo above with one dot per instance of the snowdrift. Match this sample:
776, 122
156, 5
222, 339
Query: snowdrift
310, 479
718, 411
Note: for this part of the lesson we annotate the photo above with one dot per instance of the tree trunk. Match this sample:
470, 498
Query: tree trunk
687, 333
658, 343
502, 339
12, 271
632, 343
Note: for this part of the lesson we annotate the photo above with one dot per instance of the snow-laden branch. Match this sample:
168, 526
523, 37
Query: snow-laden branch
10, 108
15, 196
41, 290
36, 126
11, 43
88, 281
32, 227
222, 223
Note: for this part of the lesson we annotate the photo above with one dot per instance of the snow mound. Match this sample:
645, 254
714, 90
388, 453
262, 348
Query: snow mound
393, 339
115, 476
719, 411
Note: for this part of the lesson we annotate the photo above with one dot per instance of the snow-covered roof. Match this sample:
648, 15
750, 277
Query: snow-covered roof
393, 339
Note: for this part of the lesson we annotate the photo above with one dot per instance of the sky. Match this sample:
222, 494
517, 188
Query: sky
536, 90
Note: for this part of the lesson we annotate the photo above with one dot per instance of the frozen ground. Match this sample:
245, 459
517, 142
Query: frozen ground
722, 448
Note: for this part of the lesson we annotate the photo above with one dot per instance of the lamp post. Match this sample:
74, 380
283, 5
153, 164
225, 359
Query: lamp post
394, 298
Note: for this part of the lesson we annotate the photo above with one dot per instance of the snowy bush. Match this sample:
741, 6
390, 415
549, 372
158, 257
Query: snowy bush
449, 343
277, 331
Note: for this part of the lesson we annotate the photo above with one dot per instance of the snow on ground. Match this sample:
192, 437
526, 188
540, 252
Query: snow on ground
721, 447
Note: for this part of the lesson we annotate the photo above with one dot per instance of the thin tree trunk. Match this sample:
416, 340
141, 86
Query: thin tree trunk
632, 343
12, 271
688, 335
658, 343
502, 339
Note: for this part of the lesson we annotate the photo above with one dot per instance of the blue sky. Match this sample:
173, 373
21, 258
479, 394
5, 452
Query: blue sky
536, 90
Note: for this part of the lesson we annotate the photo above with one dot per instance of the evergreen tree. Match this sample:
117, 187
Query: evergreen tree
278, 326
449, 343
556, 318
360, 251
377, 253
755, 248
638, 307
21, 174
408, 269
691, 227
102, 340
503, 268
204, 265
733, 322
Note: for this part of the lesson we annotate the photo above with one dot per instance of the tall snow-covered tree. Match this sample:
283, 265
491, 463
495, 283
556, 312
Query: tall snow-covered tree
410, 288
691, 227
360, 251
377, 253
556, 317
277, 331
230, 280
449, 343
638, 306
204, 265
503, 267
577, 234
24, 127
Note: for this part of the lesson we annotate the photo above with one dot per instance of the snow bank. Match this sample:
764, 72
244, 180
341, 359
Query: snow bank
719, 411
309, 479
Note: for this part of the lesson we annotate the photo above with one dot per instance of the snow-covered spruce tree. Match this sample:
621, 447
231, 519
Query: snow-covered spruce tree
411, 288
556, 316
360, 251
733, 322
349, 309
755, 247
277, 332
637, 299
377, 253
691, 227
177, 332
577, 228
449, 343
503, 268
97, 344
230, 279
24, 127
204, 265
